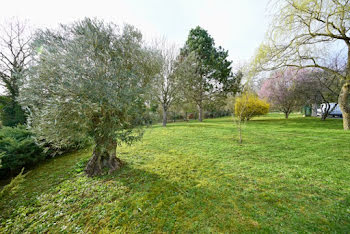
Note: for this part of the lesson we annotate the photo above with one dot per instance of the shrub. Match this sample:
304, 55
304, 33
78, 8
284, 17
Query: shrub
18, 149
249, 105
52, 150
11, 113
13, 186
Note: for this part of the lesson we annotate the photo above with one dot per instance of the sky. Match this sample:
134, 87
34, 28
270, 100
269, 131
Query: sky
239, 26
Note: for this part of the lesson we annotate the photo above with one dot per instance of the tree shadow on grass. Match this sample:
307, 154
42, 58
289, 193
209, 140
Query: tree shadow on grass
163, 203
181, 204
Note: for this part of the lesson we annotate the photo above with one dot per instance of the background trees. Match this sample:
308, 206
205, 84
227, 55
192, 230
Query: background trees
285, 90
302, 32
324, 87
88, 81
208, 68
15, 51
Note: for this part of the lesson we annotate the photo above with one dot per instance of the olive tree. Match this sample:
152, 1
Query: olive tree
302, 33
89, 80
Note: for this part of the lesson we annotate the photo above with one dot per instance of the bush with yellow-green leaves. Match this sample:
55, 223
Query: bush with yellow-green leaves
249, 105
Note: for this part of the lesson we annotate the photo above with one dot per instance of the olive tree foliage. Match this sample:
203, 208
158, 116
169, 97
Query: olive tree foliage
166, 83
15, 56
302, 32
89, 80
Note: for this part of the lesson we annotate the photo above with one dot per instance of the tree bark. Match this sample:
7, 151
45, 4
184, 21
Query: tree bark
314, 110
200, 112
325, 112
240, 131
103, 157
286, 114
344, 105
165, 116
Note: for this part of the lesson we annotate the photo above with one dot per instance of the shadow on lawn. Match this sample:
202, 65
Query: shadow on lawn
185, 204
179, 204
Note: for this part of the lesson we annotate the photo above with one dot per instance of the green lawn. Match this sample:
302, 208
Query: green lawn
288, 176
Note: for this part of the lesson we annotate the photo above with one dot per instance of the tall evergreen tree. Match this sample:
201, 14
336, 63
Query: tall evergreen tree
211, 68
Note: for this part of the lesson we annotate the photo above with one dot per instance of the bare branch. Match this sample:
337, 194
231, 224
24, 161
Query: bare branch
15, 52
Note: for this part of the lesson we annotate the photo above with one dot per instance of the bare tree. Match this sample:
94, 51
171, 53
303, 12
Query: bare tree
319, 86
325, 89
166, 82
15, 54
302, 32
15, 51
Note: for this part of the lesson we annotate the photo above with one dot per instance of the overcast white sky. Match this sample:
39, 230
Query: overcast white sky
237, 25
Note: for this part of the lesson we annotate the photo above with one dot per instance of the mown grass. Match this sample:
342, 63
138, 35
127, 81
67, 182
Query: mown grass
288, 176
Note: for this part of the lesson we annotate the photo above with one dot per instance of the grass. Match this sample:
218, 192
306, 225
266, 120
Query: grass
288, 176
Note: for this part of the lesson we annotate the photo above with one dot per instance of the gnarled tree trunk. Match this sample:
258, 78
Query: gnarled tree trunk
344, 105
103, 158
